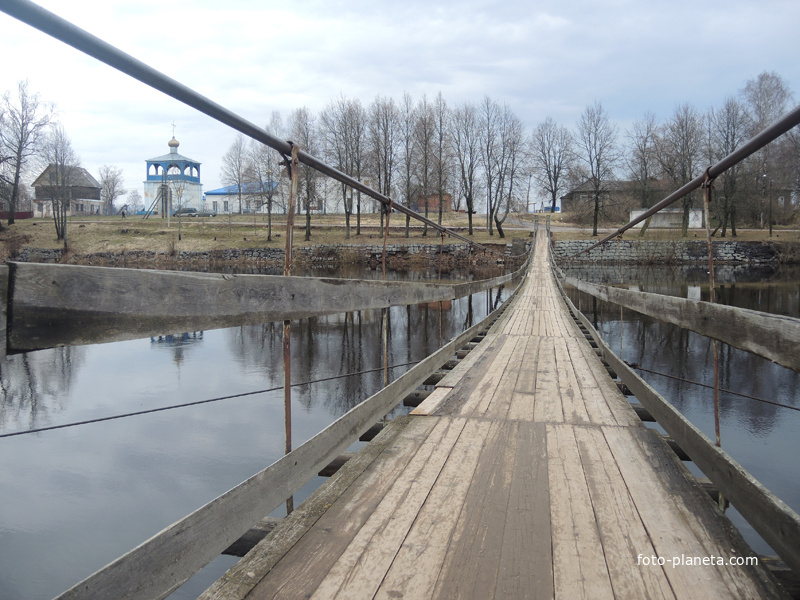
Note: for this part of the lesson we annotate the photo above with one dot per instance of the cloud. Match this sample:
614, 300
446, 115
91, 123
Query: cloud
255, 56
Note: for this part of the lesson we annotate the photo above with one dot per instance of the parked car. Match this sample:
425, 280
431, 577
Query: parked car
186, 212
205, 213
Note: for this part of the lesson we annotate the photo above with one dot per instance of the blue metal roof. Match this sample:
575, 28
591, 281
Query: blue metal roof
251, 187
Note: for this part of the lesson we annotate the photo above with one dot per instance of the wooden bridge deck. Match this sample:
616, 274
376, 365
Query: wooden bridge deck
525, 474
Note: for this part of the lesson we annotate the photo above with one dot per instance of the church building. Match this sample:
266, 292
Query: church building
173, 182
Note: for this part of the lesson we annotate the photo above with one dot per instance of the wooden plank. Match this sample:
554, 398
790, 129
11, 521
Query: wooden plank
416, 567
774, 337
526, 557
244, 575
622, 533
432, 402
465, 365
579, 567
685, 523
477, 397
363, 566
547, 403
303, 568
572, 402
470, 568
501, 398
523, 399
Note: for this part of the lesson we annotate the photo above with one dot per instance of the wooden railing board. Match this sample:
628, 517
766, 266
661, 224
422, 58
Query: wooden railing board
774, 337
772, 518
161, 564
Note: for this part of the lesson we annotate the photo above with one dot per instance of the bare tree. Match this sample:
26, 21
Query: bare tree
383, 140
512, 161
641, 159
134, 201
235, 166
407, 123
424, 131
442, 159
767, 98
597, 139
333, 129
551, 152
304, 133
62, 164
112, 186
729, 127
466, 148
23, 127
489, 118
679, 148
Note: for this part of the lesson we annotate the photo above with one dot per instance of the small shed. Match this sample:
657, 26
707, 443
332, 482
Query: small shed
670, 218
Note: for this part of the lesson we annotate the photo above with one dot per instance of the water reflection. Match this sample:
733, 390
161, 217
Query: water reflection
76, 498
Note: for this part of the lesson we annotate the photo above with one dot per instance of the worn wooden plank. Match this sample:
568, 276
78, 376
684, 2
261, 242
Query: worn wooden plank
309, 561
489, 379
362, 567
526, 557
547, 403
416, 567
470, 568
622, 533
774, 337
244, 575
579, 566
572, 402
685, 524
523, 399
432, 402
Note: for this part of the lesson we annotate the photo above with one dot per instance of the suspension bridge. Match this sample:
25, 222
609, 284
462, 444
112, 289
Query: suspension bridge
527, 470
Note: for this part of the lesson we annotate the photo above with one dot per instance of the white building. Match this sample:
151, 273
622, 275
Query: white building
670, 218
173, 182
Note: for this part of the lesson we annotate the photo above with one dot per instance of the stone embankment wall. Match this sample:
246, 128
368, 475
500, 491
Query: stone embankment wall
680, 252
327, 255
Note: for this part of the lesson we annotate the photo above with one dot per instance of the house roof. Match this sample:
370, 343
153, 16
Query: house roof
251, 187
78, 177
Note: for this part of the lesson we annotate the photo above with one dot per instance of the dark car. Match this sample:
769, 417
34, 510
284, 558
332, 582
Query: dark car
185, 212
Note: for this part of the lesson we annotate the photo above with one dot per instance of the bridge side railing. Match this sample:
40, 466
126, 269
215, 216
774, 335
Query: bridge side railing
773, 337
161, 564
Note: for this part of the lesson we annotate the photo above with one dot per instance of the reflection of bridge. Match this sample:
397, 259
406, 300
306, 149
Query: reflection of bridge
524, 473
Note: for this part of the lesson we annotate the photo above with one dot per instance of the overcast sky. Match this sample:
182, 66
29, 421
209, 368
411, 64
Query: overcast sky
546, 58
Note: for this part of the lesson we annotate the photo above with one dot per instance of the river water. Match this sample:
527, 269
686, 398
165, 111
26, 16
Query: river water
759, 435
76, 498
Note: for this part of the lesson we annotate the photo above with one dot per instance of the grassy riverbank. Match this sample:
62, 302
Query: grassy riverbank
115, 234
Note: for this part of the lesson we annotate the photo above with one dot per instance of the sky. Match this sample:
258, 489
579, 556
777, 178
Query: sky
543, 58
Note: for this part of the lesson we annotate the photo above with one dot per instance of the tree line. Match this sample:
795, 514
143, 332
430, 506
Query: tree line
32, 140
482, 155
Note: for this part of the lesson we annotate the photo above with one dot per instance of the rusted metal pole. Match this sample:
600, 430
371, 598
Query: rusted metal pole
292, 166
708, 186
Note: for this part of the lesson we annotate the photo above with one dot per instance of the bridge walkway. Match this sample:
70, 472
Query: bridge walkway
526, 474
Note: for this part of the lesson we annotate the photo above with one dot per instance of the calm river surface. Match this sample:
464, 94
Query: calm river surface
74, 499
760, 436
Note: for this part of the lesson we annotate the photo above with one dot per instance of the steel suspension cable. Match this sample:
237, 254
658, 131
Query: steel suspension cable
705, 385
